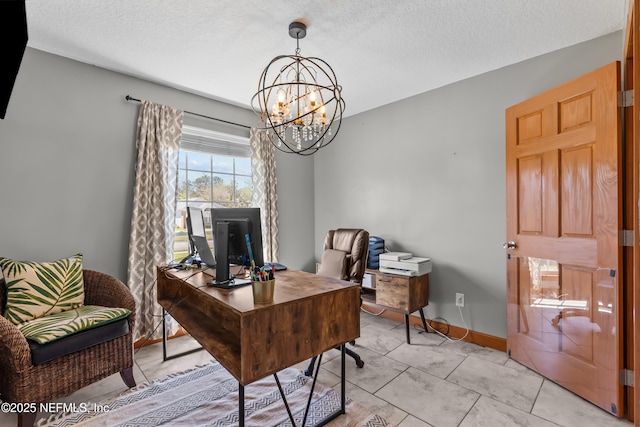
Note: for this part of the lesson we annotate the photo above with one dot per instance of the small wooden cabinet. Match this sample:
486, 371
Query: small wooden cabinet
405, 294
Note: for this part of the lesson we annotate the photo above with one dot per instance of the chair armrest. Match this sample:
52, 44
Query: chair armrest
105, 290
15, 353
102, 289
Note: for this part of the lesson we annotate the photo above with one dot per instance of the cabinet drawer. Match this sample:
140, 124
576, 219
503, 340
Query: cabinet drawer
392, 291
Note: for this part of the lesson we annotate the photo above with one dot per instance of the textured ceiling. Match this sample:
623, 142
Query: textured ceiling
381, 50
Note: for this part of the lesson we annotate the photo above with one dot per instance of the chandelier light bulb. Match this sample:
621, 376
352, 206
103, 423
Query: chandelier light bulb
280, 100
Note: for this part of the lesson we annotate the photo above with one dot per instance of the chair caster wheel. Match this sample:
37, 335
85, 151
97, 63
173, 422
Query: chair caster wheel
307, 373
360, 364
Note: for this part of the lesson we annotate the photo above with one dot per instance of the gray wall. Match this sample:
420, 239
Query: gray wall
428, 175
68, 157
295, 211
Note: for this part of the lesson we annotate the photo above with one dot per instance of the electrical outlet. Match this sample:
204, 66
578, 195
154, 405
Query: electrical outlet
459, 300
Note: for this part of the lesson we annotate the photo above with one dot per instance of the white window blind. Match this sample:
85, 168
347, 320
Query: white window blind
213, 142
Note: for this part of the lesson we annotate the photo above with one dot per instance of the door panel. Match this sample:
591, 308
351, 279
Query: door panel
530, 197
576, 191
563, 212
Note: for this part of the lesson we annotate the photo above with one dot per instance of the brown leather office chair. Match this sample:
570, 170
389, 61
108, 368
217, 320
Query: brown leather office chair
344, 257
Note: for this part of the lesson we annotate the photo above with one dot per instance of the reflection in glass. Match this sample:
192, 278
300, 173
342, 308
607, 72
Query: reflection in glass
546, 290
568, 309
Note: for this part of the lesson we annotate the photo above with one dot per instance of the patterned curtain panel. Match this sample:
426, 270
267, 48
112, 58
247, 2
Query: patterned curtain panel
154, 205
263, 166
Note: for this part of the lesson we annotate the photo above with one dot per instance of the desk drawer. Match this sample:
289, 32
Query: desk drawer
392, 291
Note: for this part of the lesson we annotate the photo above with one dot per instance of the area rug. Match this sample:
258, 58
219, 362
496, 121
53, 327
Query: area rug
208, 396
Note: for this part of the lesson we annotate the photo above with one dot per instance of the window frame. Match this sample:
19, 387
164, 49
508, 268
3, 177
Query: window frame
214, 144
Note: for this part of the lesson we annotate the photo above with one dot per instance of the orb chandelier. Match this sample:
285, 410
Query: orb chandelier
299, 100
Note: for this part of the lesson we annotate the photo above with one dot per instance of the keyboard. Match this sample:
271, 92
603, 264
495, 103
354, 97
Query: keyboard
278, 266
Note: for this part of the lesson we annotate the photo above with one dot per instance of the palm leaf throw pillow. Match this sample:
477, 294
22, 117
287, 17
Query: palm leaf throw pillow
59, 325
37, 289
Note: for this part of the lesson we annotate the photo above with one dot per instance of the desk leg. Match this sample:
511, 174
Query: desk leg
164, 342
343, 406
406, 323
284, 397
286, 404
343, 388
424, 321
240, 405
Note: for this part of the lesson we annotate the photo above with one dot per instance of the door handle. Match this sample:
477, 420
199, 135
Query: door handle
510, 245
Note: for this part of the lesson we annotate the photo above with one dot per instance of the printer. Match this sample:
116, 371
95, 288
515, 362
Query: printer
404, 263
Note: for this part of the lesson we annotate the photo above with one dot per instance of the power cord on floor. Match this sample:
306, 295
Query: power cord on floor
373, 314
444, 328
445, 334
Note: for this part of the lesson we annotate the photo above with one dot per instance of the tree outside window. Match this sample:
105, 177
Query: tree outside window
209, 181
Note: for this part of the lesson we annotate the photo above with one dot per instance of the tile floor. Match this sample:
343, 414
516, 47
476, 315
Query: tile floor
432, 382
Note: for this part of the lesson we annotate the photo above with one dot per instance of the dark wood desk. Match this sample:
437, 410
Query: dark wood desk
310, 314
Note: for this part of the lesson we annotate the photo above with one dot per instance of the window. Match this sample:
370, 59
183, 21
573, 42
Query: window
214, 171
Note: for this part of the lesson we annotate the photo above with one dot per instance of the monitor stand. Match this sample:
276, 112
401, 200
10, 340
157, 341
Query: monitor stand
234, 283
222, 254
223, 279
230, 284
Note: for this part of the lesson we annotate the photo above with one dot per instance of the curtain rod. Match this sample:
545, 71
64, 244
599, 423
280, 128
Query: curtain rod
129, 98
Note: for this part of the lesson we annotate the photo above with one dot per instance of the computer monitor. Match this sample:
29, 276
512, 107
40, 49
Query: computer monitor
195, 227
232, 227
199, 250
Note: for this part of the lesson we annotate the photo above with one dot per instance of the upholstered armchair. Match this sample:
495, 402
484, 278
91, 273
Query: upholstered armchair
32, 373
344, 256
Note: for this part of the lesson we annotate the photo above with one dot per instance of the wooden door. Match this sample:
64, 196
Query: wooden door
564, 277
632, 217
